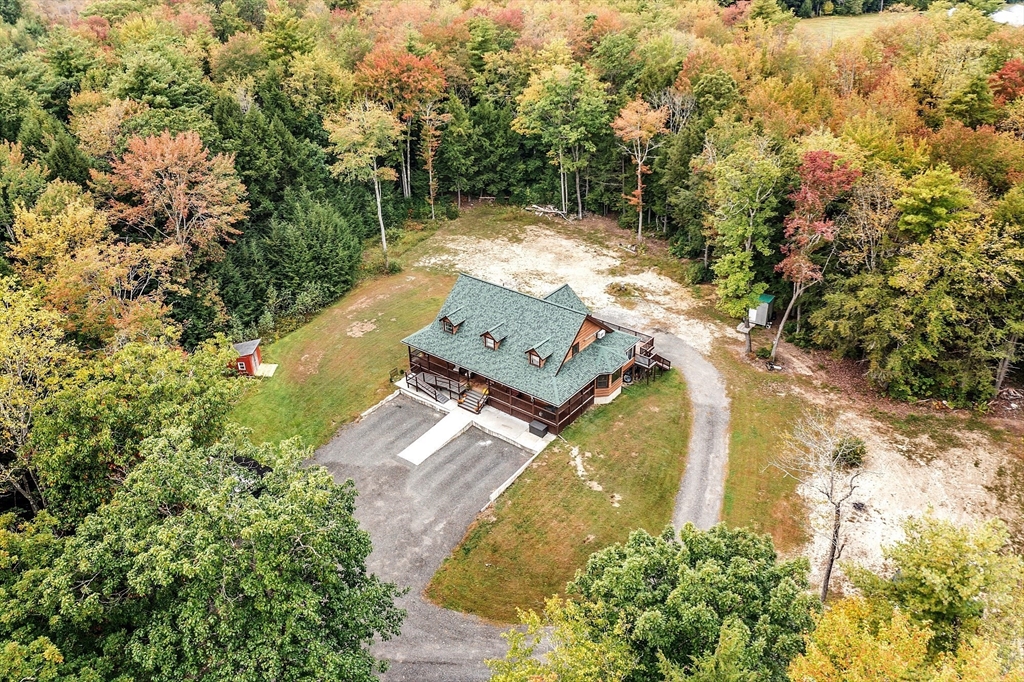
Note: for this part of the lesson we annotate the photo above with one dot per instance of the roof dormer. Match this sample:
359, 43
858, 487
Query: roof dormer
451, 321
495, 335
540, 353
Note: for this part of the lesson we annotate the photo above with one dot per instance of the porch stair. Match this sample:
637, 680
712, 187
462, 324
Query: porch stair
473, 401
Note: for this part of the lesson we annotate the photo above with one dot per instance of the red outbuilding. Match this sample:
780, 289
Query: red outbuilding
249, 358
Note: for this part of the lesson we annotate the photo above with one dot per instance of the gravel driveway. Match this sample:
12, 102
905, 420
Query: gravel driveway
699, 500
416, 515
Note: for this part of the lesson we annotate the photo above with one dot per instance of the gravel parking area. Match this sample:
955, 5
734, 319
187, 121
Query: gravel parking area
416, 515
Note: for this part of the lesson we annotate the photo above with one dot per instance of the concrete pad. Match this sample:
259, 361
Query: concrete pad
453, 424
265, 370
491, 421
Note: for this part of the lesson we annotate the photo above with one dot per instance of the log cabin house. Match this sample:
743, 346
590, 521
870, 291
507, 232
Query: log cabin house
542, 360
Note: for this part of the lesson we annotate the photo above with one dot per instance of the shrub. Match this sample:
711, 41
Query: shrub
764, 352
850, 451
697, 273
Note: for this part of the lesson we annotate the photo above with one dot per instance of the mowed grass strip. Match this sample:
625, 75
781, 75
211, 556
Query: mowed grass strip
763, 409
337, 365
544, 527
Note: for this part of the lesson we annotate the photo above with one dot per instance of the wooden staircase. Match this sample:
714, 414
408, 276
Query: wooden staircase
473, 401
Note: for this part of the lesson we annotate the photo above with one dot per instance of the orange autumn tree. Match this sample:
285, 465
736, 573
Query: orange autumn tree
170, 190
406, 85
108, 292
638, 126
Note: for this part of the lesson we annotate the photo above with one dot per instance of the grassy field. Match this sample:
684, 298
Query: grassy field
756, 494
831, 29
337, 365
551, 520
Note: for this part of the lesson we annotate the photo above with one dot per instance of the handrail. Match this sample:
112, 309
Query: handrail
646, 338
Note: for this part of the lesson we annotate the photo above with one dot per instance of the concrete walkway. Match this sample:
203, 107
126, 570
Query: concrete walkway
491, 421
451, 426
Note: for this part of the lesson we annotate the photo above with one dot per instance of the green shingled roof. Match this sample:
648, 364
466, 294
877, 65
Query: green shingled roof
547, 325
565, 296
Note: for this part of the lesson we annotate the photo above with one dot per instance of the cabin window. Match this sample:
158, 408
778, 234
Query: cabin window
490, 343
602, 381
535, 360
575, 350
447, 325
617, 375
631, 352
241, 366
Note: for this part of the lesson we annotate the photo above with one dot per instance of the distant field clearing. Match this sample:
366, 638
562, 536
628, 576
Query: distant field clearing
831, 29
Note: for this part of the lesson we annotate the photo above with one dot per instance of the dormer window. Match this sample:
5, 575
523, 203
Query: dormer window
539, 354
447, 325
494, 336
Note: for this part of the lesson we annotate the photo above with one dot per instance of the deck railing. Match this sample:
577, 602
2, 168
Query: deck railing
647, 341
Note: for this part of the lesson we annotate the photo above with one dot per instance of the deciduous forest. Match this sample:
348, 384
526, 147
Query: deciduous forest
171, 171
176, 174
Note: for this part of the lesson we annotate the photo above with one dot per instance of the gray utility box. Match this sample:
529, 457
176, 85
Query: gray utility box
539, 429
764, 312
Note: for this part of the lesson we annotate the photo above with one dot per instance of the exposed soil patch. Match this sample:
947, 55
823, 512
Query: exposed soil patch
541, 259
357, 329
309, 363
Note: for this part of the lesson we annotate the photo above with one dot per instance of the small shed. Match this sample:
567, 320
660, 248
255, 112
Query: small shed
249, 357
764, 312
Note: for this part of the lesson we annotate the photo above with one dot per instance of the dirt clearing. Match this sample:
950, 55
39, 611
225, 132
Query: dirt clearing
540, 260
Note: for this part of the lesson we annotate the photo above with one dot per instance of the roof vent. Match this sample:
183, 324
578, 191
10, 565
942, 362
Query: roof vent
600, 333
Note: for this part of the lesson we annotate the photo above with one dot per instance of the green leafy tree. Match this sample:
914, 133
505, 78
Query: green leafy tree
87, 437
219, 562
748, 183
312, 243
10, 11
566, 107
931, 201
65, 161
164, 79
456, 157
21, 183
925, 324
732, 660
34, 362
362, 137
973, 105
958, 581
716, 599
577, 654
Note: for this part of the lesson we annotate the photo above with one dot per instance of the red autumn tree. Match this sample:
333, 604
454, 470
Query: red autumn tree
1007, 83
405, 84
169, 189
823, 179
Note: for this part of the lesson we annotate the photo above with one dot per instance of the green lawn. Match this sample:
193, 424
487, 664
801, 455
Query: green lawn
337, 365
831, 29
546, 525
762, 409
